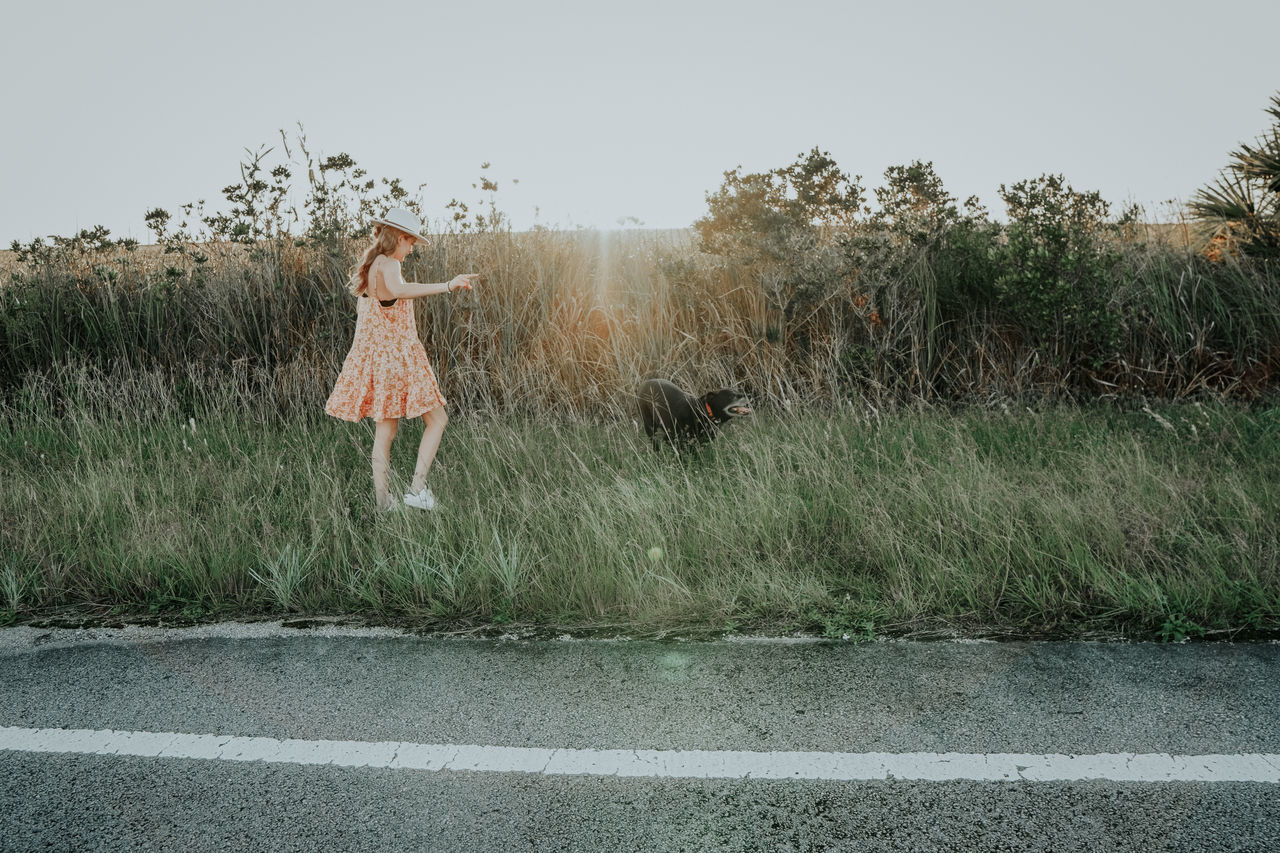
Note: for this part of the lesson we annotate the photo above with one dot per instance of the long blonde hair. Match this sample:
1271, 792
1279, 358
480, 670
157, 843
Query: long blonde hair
385, 240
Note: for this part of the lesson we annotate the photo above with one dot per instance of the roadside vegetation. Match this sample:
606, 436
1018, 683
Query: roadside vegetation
1065, 421
1060, 521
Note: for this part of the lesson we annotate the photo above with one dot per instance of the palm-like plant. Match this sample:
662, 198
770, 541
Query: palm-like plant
1241, 209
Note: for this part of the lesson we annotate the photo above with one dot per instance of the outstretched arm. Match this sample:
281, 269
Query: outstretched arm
395, 284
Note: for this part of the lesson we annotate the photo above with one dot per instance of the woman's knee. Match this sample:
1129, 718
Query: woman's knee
385, 431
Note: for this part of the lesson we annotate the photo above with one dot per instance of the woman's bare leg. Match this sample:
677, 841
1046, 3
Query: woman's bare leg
433, 428
382, 437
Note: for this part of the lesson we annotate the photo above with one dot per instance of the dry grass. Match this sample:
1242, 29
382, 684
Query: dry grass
569, 322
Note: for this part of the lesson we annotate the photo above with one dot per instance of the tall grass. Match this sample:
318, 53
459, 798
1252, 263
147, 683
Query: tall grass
842, 522
567, 323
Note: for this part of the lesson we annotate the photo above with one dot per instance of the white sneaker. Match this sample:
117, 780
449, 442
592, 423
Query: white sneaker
422, 500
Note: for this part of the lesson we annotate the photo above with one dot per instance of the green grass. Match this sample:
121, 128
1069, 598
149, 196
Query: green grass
1074, 521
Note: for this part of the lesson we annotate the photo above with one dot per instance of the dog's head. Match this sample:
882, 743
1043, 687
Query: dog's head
725, 405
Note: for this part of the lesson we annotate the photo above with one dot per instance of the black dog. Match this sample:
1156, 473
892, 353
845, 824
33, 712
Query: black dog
683, 419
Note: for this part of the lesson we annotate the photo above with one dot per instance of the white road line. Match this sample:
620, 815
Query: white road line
667, 764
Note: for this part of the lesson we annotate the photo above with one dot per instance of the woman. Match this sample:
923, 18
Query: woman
386, 375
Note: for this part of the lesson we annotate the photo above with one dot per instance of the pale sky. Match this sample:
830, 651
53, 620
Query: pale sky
607, 110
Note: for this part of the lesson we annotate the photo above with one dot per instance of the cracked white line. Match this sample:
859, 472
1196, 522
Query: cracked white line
1156, 767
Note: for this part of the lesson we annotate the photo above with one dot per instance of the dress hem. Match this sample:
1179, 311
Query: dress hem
358, 418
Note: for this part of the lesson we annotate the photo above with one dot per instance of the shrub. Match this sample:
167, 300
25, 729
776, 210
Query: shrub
784, 227
1057, 270
801, 294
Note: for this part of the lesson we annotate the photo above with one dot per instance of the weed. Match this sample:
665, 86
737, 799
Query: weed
12, 588
842, 629
283, 576
1177, 628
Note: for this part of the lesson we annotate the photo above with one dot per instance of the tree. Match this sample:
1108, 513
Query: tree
1240, 210
766, 216
785, 225
915, 207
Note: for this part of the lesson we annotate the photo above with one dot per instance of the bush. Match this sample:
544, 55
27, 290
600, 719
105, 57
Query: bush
784, 227
801, 294
1057, 271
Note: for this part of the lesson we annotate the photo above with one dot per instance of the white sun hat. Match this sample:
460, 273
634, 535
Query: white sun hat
403, 220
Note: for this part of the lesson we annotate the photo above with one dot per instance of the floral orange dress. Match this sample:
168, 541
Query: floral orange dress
386, 373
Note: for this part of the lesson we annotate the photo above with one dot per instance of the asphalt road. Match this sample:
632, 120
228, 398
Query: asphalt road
882, 697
